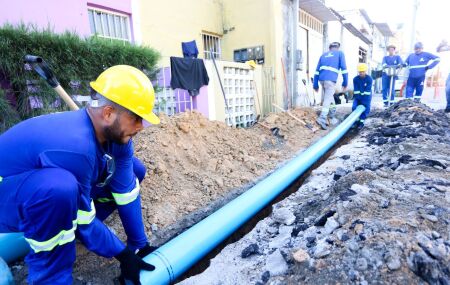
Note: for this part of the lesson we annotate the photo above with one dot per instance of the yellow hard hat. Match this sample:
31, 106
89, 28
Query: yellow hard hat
130, 88
362, 67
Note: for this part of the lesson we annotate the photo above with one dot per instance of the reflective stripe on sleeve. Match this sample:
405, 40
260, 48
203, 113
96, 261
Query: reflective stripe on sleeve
329, 68
417, 66
344, 71
317, 73
126, 198
104, 200
356, 92
86, 217
63, 237
366, 93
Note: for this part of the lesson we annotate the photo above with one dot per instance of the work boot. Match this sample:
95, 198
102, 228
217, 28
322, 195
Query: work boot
359, 126
447, 110
417, 100
322, 121
333, 120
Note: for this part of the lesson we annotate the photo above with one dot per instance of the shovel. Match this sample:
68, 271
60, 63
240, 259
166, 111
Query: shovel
42, 68
308, 125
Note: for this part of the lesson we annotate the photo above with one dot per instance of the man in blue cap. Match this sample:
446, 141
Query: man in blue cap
418, 62
390, 60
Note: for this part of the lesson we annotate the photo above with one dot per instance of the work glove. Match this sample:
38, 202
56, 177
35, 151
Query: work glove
426, 68
131, 265
146, 250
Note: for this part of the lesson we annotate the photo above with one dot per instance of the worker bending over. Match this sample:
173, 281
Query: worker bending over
62, 174
330, 65
418, 63
362, 94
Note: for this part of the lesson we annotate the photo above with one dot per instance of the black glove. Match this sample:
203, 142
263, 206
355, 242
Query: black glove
131, 265
426, 68
146, 250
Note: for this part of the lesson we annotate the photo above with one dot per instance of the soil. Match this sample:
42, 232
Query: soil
193, 167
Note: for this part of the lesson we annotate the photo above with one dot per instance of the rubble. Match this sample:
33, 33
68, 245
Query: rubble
385, 218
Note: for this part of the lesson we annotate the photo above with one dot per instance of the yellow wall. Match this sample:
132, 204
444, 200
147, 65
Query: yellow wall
165, 24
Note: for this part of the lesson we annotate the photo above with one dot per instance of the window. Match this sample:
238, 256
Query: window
362, 55
310, 22
211, 46
109, 25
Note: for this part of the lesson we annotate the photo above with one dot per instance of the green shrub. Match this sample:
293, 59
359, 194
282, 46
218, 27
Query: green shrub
72, 59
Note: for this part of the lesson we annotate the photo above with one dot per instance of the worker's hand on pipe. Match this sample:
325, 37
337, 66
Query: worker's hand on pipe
131, 265
146, 250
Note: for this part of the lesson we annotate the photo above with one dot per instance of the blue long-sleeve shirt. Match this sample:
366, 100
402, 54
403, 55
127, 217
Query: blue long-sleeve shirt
393, 60
362, 85
67, 140
329, 66
419, 63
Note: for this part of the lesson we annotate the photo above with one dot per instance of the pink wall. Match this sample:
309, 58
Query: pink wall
60, 15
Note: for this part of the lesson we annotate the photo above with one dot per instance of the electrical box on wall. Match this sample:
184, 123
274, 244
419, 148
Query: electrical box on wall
251, 53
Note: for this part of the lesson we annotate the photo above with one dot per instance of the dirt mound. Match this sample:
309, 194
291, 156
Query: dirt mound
193, 160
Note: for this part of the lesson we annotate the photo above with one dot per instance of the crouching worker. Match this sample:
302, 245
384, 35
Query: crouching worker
362, 94
62, 174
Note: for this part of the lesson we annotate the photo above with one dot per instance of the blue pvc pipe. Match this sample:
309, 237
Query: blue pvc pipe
13, 246
178, 255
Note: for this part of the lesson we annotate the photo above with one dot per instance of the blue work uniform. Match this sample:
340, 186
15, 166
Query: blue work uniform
329, 66
51, 173
362, 94
388, 60
418, 65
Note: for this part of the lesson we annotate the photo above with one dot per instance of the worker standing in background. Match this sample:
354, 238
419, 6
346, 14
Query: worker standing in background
418, 63
389, 60
62, 174
362, 94
328, 68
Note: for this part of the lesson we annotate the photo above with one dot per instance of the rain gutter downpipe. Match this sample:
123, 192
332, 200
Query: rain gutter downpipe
178, 255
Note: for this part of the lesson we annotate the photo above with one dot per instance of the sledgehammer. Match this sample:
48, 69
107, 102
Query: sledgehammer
42, 68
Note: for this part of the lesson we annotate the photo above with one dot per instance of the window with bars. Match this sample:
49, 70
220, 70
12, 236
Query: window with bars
362, 55
211, 46
109, 25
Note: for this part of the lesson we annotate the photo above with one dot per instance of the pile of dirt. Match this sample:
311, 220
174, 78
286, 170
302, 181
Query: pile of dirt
376, 212
192, 161
194, 166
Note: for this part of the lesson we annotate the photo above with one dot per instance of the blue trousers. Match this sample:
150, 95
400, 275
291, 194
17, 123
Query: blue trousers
386, 81
416, 84
43, 203
364, 100
447, 91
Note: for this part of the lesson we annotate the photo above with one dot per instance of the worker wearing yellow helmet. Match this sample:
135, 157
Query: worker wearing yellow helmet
362, 93
63, 174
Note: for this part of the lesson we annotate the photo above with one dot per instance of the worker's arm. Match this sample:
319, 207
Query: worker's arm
434, 60
356, 90
93, 233
343, 68
125, 190
368, 86
316, 75
383, 62
406, 63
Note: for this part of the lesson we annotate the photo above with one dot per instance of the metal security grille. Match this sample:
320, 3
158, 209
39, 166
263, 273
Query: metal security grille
211, 46
109, 25
311, 22
362, 55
